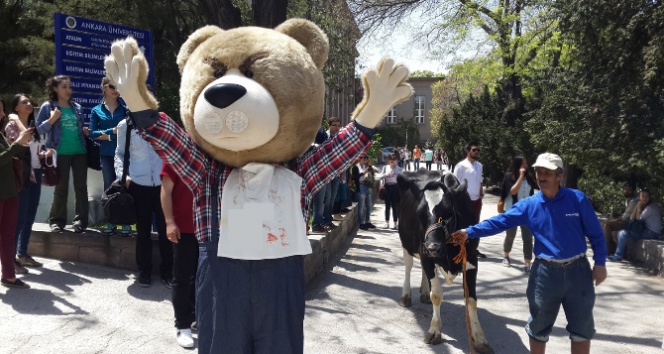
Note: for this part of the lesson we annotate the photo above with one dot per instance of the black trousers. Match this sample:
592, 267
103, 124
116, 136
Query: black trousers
185, 262
392, 201
148, 204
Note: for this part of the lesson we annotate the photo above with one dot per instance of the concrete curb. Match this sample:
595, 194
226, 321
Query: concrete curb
116, 251
649, 253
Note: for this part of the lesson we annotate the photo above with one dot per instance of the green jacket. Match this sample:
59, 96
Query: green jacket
7, 182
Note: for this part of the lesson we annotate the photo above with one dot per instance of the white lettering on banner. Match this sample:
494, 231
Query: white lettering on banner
93, 26
84, 55
74, 69
84, 85
87, 101
73, 38
113, 30
85, 70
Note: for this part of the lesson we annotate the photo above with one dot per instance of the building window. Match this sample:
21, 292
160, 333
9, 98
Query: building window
419, 109
392, 116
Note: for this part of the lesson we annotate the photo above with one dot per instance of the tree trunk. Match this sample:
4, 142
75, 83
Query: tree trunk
269, 13
221, 13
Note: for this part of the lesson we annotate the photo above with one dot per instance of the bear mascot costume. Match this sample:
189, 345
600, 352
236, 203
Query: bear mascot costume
251, 101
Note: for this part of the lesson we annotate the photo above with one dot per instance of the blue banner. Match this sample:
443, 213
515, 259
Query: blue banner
81, 45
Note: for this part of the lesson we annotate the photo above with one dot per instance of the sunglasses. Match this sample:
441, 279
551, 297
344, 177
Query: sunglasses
475, 150
112, 87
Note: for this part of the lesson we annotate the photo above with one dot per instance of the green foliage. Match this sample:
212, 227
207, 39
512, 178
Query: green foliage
426, 73
404, 133
374, 151
481, 119
604, 193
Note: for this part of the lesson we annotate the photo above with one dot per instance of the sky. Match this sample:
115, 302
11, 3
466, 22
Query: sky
402, 45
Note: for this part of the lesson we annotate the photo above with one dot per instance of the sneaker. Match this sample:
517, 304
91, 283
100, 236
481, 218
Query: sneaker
19, 269
184, 338
506, 262
337, 217
167, 282
387, 225
396, 227
526, 269
614, 258
27, 261
364, 227
79, 228
17, 283
480, 254
319, 229
56, 228
330, 226
194, 326
371, 226
144, 280
110, 230
126, 231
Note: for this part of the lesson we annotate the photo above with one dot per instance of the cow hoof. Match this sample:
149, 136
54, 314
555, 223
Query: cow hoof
425, 299
405, 301
483, 348
433, 338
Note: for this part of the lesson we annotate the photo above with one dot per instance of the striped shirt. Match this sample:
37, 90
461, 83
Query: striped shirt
200, 172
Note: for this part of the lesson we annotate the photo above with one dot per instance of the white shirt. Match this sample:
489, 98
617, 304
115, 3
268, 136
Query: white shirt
388, 170
261, 216
472, 173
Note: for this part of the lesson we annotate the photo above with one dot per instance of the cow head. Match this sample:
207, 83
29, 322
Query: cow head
444, 207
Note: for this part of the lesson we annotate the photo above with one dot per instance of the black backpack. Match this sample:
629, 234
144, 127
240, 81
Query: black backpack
119, 205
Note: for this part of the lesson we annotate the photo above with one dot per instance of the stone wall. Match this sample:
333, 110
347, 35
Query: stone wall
119, 252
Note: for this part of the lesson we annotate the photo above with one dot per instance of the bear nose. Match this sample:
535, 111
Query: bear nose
224, 95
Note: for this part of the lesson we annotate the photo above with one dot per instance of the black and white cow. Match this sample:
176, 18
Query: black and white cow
433, 205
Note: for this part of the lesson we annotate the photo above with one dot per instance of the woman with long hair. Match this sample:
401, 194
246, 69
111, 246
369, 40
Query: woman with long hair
9, 204
21, 117
104, 119
518, 184
61, 120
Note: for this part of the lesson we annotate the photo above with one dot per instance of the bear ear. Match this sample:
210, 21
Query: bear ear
310, 36
194, 40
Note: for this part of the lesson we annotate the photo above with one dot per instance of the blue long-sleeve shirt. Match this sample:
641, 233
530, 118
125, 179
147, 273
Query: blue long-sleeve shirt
103, 121
144, 163
560, 225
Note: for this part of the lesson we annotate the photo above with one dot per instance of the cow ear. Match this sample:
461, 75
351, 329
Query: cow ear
461, 188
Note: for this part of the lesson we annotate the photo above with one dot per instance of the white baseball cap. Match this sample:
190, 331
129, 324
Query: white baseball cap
549, 161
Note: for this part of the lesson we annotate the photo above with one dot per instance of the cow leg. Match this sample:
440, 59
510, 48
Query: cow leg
479, 340
424, 289
405, 299
434, 336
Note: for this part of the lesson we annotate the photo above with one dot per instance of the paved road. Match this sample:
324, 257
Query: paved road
79, 308
353, 308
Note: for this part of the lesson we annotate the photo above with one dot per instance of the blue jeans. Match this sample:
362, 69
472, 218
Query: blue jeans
364, 204
330, 196
245, 306
551, 285
28, 201
319, 206
107, 170
624, 235
416, 164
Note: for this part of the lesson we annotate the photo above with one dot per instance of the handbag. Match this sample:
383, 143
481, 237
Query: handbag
501, 205
635, 226
50, 175
381, 192
93, 154
119, 206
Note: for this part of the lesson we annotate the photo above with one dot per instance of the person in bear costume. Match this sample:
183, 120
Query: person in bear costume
251, 101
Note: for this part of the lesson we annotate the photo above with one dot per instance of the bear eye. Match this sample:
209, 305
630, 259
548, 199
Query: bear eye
248, 73
218, 67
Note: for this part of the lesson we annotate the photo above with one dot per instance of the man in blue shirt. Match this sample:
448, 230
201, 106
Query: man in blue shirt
560, 219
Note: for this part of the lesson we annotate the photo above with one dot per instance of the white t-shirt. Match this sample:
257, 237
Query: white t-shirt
392, 172
472, 173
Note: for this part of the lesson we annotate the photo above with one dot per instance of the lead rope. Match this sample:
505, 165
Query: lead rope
463, 257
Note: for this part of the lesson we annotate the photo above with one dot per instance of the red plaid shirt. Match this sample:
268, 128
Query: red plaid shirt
199, 171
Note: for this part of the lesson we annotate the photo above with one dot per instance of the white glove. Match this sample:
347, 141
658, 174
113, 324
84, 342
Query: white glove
128, 69
383, 88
